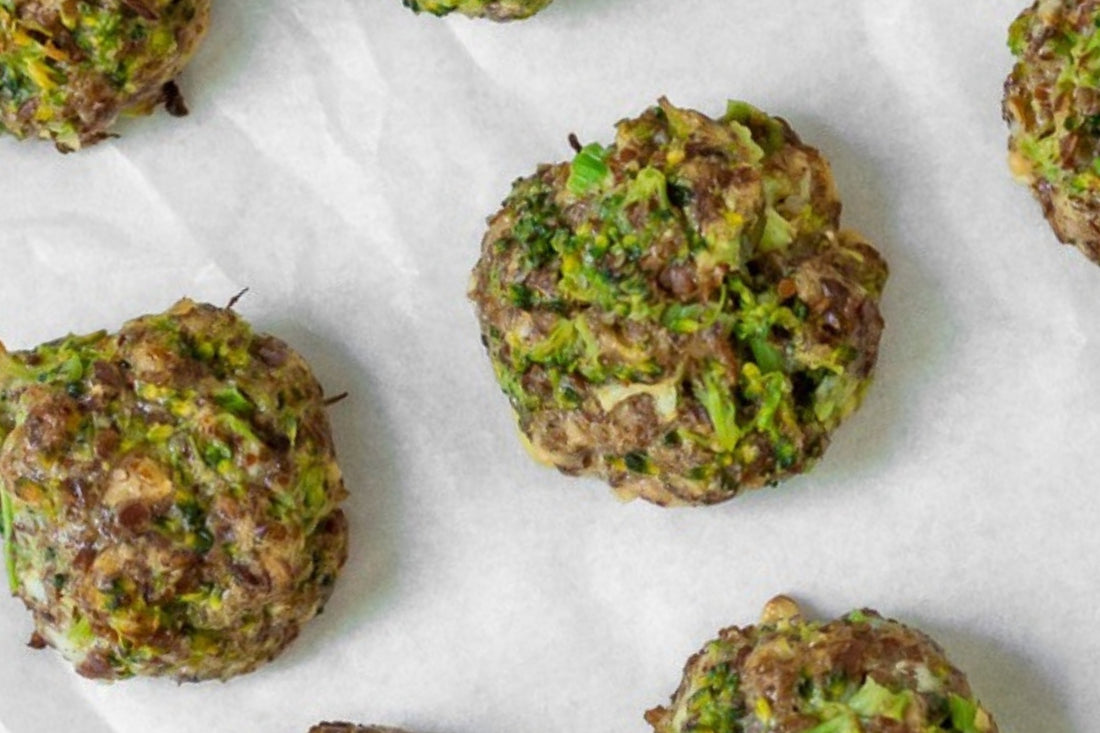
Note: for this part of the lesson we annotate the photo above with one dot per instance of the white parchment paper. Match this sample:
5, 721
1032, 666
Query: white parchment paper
340, 159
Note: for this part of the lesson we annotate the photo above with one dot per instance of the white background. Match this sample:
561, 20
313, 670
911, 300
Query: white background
340, 159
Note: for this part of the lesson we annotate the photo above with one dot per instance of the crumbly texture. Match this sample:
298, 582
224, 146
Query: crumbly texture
858, 674
1052, 106
170, 495
679, 313
499, 10
69, 68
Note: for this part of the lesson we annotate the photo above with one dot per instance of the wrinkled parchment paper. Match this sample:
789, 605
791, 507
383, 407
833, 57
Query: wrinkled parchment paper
340, 159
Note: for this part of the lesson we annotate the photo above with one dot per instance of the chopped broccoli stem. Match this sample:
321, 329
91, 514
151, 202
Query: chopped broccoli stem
7, 520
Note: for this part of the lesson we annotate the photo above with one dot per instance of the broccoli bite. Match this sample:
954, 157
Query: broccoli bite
1052, 106
70, 68
170, 495
861, 673
679, 312
499, 10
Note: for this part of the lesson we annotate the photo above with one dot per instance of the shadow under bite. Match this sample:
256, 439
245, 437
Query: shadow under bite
359, 431
914, 351
1006, 681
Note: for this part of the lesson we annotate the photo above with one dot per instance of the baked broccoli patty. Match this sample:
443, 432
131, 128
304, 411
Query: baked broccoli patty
69, 68
679, 312
1052, 106
858, 674
499, 10
169, 493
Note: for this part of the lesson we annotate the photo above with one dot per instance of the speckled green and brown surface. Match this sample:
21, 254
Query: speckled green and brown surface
679, 312
499, 10
860, 673
1052, 106
69, 68
170, 495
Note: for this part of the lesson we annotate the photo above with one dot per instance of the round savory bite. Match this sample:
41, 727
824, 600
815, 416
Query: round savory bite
68, 69
170, 495
858, 674
499, 10
1052, 106
679, 312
